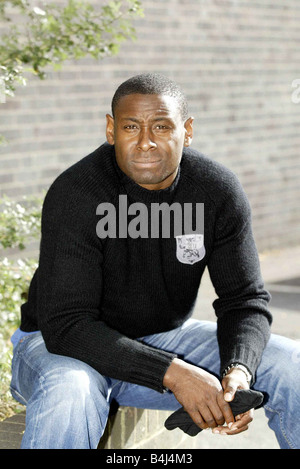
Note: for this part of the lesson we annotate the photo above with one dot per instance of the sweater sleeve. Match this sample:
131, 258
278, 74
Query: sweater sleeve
243, 318
70, 289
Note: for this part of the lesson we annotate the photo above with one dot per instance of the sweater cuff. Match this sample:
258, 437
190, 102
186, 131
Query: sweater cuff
244, 356
149, 368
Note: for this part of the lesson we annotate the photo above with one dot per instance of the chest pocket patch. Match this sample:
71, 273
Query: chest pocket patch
190, 248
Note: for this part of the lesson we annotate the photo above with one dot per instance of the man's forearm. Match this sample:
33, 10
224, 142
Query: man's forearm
108, 351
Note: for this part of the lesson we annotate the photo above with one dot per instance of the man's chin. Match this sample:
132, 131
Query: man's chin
152, 180
147, 178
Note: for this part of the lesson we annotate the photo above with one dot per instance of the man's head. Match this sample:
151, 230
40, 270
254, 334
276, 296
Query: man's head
151, 83
149, 127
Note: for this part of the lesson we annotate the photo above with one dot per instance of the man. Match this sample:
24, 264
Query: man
109, 309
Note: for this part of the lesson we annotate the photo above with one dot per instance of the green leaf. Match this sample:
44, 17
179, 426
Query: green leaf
55, 33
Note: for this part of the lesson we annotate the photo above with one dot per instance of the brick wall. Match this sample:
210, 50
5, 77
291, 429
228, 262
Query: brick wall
236, 62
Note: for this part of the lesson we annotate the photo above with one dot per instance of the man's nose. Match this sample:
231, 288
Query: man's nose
146, 140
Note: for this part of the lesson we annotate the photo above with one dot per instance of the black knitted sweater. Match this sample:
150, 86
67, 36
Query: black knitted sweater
92, 298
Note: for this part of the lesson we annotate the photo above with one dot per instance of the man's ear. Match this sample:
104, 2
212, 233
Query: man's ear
110, 133
188, 131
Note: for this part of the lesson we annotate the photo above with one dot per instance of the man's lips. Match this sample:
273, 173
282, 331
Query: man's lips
146, 163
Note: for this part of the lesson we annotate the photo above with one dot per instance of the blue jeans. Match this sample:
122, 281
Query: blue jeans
68, 401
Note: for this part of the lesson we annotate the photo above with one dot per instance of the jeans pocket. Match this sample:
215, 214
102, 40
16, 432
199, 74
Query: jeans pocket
27, 345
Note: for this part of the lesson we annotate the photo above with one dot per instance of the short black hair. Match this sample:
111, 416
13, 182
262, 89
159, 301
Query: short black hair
151, 83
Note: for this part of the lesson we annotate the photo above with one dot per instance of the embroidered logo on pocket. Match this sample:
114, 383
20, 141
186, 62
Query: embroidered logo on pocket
190, 248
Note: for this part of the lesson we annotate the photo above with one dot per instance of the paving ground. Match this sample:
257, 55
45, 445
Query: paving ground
11, 431
281, 272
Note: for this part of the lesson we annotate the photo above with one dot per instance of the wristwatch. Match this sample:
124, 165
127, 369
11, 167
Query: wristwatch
240, 367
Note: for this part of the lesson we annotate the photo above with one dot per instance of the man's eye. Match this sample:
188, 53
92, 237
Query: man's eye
130, 127
161, 127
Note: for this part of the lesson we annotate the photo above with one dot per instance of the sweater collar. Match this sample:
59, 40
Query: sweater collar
141, 194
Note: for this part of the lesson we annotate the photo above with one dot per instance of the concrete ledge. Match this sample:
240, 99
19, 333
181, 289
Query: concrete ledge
127, 428
131, 428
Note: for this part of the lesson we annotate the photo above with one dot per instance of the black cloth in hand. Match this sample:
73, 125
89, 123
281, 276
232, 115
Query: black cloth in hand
244, 400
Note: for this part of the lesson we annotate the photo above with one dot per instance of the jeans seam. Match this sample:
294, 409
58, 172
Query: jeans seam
20, 355
41, 380
122, 386
17, 357
281, 425
20, 399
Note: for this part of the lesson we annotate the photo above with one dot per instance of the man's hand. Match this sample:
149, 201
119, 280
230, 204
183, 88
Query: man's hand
235, 379
203, 397
200, 393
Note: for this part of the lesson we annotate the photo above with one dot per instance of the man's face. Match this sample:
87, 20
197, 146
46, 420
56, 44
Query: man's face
149, 135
